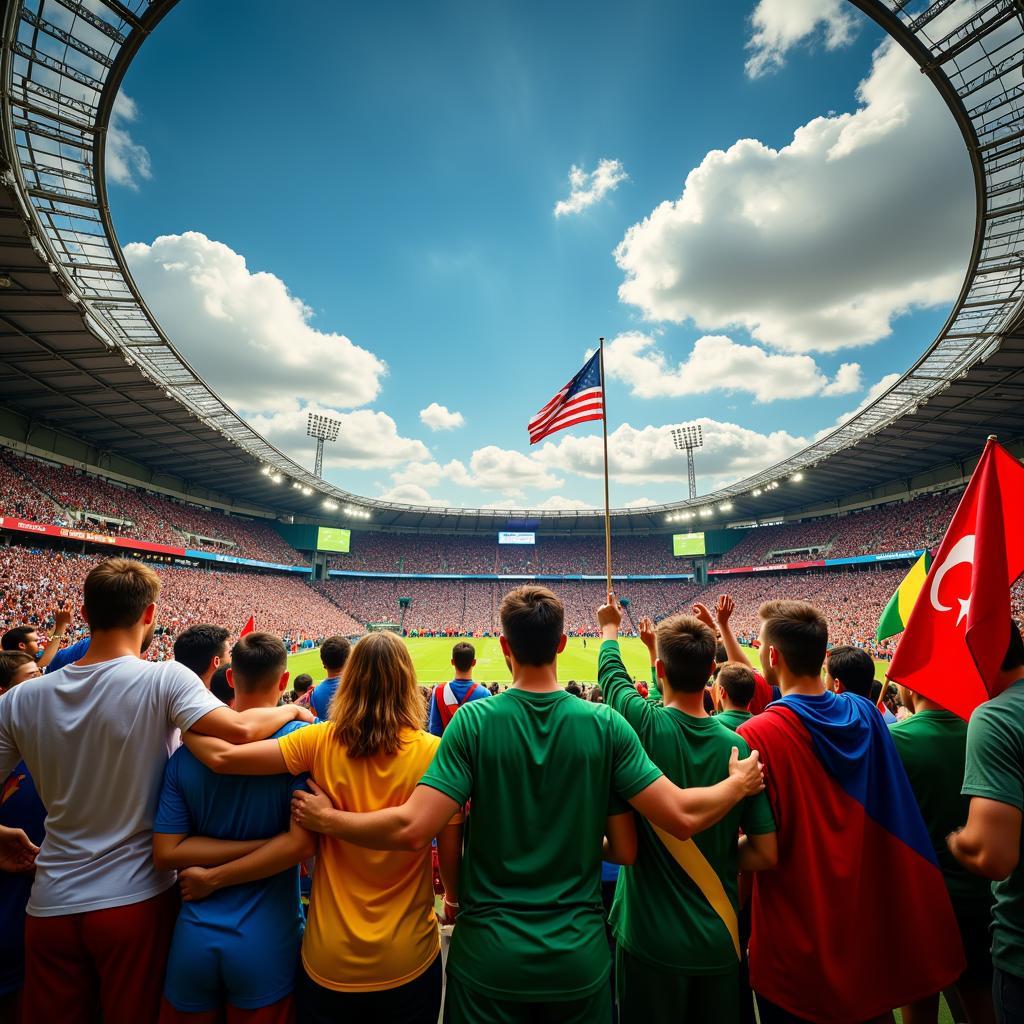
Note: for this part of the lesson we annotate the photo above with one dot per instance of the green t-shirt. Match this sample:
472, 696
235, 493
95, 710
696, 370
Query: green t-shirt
995, 770
659, 915
543, 771
933, 747
733, 719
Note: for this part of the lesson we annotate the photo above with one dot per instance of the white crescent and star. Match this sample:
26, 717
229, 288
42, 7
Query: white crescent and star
961, 553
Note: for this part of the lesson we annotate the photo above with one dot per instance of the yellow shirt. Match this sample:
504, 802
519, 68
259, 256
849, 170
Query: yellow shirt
371, 912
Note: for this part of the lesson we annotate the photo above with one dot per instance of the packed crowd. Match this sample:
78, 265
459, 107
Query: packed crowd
36, 585
569, 904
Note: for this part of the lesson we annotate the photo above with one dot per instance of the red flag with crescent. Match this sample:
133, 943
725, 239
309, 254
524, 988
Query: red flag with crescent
958, 632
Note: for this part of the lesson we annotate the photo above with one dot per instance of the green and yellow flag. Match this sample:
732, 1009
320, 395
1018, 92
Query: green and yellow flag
897, 612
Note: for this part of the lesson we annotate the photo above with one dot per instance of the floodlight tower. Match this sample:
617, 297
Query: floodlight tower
323, 428
687, 439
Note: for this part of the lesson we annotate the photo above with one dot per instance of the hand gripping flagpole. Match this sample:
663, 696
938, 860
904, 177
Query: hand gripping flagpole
607, 506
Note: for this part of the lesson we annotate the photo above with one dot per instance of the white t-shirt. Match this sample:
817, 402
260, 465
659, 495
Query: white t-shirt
95, 739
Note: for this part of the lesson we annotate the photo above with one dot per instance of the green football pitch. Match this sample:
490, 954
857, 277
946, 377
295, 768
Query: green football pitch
432, 658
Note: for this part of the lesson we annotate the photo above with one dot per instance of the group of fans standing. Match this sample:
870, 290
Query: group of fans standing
847, 877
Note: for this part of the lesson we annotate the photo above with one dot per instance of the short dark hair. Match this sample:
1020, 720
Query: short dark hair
14, 638
853, 668
1014, 657
737, 680
574, 688
257, 660
686, 649
532, 621
220, 687
721, 654
117, 592
301, 683
10, 662
334, 652
799, 632
197, 646
463, 656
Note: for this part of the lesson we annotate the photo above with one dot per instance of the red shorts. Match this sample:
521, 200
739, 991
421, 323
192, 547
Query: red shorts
107, 963
281, 1012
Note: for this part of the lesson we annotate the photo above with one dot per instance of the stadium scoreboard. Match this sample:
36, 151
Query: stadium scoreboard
684, 544
517, 538
331, 538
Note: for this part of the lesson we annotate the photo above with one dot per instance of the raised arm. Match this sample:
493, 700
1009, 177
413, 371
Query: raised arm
408, 827
612, 677
263, 757
61, 622
269, 858
723, 612
250, 725
685, 812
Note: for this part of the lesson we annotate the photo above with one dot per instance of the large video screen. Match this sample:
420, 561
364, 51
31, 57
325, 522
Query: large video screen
517, 538
688, 544
331, 538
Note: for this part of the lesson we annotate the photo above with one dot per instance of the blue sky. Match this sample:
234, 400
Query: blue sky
389, 176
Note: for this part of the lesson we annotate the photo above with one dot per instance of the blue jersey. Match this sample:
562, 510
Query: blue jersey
321, 697
69, 655
460, 687
20, 807
241, 942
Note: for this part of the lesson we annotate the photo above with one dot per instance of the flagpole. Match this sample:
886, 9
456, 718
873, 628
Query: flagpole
607, 505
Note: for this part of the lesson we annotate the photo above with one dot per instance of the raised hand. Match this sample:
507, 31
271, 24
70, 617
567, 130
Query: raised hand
648, 635
724, 609
701, 612
748, 770
610, 614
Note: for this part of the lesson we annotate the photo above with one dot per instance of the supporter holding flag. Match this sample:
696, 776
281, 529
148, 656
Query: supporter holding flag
371, 950
989, 844
236, 941
447, 698
334, 653
846, 814
101, 914
530, 940
675, 915
932, 744
23, 815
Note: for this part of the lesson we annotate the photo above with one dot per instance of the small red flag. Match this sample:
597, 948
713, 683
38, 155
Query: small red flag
958, 632
248, 627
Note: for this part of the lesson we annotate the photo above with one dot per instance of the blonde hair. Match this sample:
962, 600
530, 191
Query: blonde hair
377, 697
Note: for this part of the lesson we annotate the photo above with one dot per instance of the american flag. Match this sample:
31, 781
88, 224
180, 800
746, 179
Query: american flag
580, 400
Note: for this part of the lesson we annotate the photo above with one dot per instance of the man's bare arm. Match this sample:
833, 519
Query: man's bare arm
172, 852
989, 844
248, 726
723, 612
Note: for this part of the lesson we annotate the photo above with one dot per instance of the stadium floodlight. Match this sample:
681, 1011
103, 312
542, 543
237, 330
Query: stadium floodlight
757, 492
266, 471
687, 439
707, 512
323, 428
307, 490
726, 506
328, 504
797, 477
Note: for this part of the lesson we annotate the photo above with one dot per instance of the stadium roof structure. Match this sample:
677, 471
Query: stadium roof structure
82, 352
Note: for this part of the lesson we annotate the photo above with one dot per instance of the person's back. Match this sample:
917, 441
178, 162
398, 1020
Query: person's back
738, 685
447, 698
334, 654
675, 915
531, 924
844, 807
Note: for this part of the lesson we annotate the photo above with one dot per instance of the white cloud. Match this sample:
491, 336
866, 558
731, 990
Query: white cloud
557, 503
779, 25
876, 391
820, 244
413, 494
366, 439
585, 188
640, 503
245, 332
509, 473
439, 417
647, 455
718, 363
126, 160
425, 474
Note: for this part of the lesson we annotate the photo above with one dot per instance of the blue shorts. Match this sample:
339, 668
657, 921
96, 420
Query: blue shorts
209, 966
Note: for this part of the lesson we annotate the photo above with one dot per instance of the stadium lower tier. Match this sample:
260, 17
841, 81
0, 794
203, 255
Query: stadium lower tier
34, 585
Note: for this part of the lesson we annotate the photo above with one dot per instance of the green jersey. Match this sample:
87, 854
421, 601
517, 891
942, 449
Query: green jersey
543, 771
933, 748
995, 770
733, 719
659, 915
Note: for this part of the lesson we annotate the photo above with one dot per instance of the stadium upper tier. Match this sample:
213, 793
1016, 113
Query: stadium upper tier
44, 493
85, 359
